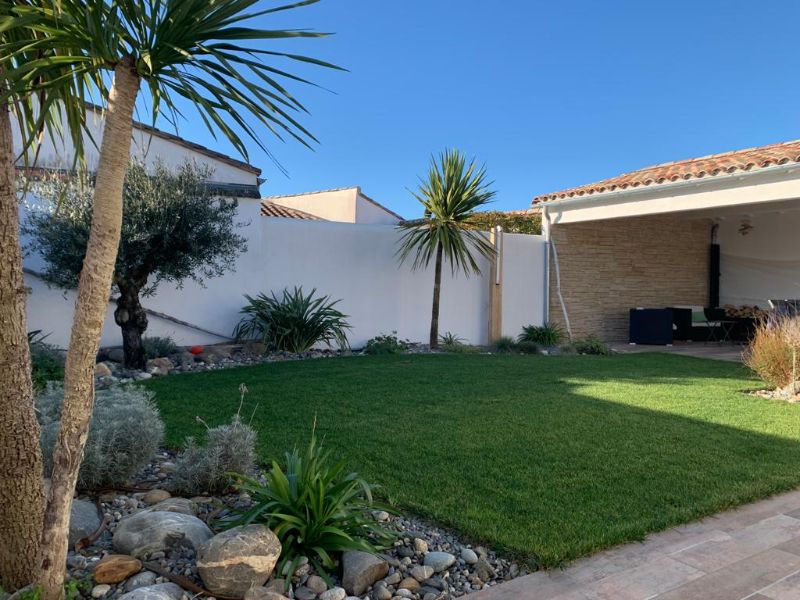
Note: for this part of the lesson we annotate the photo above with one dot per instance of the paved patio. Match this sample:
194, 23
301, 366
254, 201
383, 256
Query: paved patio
752, 552
719, 351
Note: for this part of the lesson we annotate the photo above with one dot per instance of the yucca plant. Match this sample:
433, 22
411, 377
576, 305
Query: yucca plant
316, 508
548, 334
294, 322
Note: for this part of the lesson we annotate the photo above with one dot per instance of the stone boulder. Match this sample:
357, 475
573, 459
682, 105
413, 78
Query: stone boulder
360, 570
174, 505
155, 496
440, 561
159, 591
83, 520
159, 367
238, 559
155, 531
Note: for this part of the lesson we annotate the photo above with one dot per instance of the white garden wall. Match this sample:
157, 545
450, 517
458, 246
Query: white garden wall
353, 262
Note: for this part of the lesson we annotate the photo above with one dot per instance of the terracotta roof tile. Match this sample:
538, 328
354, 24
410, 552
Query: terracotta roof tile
695, 168
272, 209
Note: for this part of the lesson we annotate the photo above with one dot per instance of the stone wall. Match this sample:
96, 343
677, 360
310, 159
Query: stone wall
609, 267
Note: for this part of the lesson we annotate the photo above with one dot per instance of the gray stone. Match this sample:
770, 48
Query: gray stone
102, 370
235, 560
159, 591
140, 580
360, 570
115, 355
421, 573
336, 593
392, 579
100, 590
175, 505
316, 583
468, 556
155, 531
440, 561
304, 593
404, 593
405, 552
83, 520
381, 592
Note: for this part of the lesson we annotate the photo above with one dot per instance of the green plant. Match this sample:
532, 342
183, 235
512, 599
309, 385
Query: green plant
156, 346
450, 342
125, 432
450, 194
769, 355
315, 507
207, 469
527, 347
518, 221
293, 323
386, 343
47, 362
588, 345
504, 344
547, 335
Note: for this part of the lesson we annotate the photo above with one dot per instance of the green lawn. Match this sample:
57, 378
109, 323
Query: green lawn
546, 457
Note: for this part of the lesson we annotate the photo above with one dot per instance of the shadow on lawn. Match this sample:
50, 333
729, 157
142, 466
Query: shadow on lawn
546, 457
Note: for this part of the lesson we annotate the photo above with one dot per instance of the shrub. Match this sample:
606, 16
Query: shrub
527, 347
548, 334
47, 362
293, 323
386, 343
450, 342
315, 508
156, 347
228, 449
505, 344
588, 345
124, 434
769, 353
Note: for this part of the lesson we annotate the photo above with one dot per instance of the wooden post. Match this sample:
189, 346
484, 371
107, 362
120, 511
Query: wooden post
496, 286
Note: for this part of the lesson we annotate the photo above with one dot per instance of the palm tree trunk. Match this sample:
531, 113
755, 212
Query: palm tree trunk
94, 288
132, 320
437, 287
21, 486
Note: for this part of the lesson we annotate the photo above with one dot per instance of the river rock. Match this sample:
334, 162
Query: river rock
156, 496
316, 583
336, 593
83, 520
484, 570
420, 545
468, 556
440, 561
175, 505
409, 583
360, 570
159, 591
115, 568
235, 560
101, 590
102, 370
155, 531
421, 573
262, 593
140, 580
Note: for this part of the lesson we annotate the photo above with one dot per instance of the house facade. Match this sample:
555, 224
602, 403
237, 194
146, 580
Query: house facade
342, 205
719, 230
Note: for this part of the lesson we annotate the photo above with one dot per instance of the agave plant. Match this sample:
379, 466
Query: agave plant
548, 334
316, 508
294, 322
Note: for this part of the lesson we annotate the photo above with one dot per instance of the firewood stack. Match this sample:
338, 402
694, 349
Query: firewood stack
744, 312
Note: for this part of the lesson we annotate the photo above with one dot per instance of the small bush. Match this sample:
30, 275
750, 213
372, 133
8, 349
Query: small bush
157, 347
124, 434
588, 345
386, 344
450, 342
293, 323
505, 344
527, 347
315, 507
47, 362
769, 354
547, 335
228, 449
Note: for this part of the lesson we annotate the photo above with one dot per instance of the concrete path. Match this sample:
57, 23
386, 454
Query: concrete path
727, 351
752, 552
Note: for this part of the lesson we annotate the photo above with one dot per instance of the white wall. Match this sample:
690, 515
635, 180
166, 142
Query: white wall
354, 263
763, 264
369, 212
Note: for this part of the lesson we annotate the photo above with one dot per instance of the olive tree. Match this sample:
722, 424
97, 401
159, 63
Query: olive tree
173, 229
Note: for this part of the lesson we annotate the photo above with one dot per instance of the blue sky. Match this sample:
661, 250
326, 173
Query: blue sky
547, 94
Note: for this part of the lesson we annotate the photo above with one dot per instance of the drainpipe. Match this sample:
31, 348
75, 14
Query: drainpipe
551, 245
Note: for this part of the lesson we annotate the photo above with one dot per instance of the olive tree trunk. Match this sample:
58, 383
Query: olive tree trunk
437, 288
21, 486
132, 320
94, 288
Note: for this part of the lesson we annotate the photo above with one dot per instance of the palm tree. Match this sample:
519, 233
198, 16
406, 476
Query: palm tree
450, 194
21, 485
194, 50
